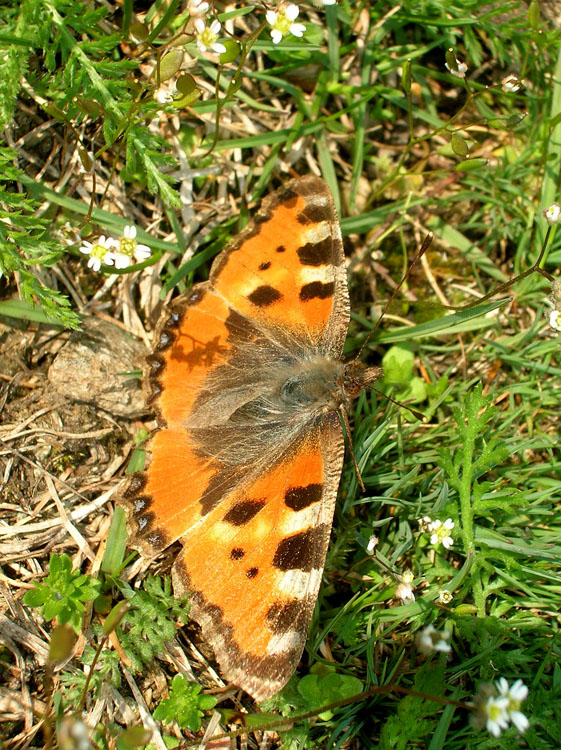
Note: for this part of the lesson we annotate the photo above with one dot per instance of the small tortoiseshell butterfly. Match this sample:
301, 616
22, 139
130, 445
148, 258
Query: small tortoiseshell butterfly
248, 385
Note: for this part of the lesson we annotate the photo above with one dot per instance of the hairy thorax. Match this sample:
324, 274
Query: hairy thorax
311, 387
270, 409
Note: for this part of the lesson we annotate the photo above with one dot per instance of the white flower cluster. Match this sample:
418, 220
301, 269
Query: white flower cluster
118, 253
496, 706
282, 22
404, 590
439, 531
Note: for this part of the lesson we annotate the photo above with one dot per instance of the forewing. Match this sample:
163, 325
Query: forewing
167, 499
285, 271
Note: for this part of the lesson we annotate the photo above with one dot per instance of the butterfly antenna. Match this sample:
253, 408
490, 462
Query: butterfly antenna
422, 250
345, 418
414, 412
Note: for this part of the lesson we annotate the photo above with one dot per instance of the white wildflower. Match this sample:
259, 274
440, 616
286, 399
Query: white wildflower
405, 590
122, 261
497, 717
459, 71
405, 593
282, 22
207, 36
73, 733
100, 251
554, 321
128, 248
511, 83
514, 695
162, 96
445, 596
430, 639
426, 524
372, 542
197, 7
552, 213
441, 533
495, 706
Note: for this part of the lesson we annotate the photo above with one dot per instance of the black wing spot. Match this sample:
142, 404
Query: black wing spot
299, 551
317, 290
313, 214
298, 498
264, 296
316, 253
282, 616
136, 485
242, 512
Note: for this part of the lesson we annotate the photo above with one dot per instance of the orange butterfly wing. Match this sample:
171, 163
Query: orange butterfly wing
255, 567
246, 464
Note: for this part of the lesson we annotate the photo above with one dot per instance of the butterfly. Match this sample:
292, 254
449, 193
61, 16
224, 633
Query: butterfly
248, 386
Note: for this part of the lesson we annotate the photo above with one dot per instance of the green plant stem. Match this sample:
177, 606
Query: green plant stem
535, 268
164, 21
466, 510
91, 672
234, 84
478, 594
552, 157
287, 720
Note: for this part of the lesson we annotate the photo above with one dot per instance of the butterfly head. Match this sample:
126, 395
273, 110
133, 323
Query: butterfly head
358, 376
